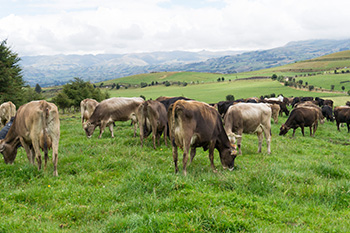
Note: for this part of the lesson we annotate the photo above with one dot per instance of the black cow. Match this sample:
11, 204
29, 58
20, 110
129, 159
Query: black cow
327, 112
342, 115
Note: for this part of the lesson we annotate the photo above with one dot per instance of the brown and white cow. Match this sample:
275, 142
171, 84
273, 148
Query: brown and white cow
36, 126
196, 124
249, 118
275, 108
152, 115
301, 117
87, 107
7, 110
342, 115
111, 110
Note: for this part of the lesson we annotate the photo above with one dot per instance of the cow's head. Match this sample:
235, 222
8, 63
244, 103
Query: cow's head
232, 137
89, 128
228, 156
9, 151
284, 129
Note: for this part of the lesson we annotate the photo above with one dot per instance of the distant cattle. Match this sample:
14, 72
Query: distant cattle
36, 126
283, 106
152, 115
7, 110
301, 117
249, 118
278, 98
342, 115
197, 124
87, 107
111, 110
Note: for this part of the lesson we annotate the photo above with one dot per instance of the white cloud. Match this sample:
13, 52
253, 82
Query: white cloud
123, 26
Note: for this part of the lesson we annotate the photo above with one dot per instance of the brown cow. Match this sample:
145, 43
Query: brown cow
310, 104
152, 114
249, 118
301, 117
36, 126
111, 110
196, 124
342, 115
87, 107
275, 108
7, 110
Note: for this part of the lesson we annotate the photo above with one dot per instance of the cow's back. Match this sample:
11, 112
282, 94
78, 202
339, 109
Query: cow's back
248, 116
7, 110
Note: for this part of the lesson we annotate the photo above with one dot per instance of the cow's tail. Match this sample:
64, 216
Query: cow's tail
45, 109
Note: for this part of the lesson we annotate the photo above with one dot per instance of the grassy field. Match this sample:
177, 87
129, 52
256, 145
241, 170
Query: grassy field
217, 91
112, 185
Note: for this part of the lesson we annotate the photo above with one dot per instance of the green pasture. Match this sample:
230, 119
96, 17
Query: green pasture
327, 80
114, 185
217, 91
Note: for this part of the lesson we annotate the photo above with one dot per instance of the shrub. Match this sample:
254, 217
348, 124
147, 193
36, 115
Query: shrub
230, 98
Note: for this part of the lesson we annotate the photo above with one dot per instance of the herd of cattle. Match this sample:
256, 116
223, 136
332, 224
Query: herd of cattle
187, 123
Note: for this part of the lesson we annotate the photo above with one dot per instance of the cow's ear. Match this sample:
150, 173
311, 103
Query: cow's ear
2, 146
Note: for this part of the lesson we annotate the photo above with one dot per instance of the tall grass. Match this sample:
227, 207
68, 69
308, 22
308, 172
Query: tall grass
112, 185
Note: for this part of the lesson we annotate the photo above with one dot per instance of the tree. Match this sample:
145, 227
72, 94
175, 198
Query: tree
11, 80
274, 77
37, 88
62, 101
143, 84
343, 88
332, 87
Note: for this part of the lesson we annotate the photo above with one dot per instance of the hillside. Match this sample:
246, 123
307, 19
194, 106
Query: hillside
59, 69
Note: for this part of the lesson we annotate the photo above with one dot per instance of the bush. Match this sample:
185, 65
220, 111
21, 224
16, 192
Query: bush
167, 83
143, 84
274, 77
230, 98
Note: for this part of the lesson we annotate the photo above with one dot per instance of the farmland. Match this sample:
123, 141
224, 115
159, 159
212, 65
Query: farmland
114, 185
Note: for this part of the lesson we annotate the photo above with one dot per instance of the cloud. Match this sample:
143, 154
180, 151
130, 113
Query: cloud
123, 26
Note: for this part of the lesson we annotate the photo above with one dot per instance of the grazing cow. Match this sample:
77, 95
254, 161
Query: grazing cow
197, 124
111, 110
310, 104
342, 115
36, 126
301, 117
328, 102
249, 118
152, 114
279, 98
7, 110
275, 108
87, 107
327, 112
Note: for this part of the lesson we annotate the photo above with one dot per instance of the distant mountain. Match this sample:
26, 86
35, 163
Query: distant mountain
59, 69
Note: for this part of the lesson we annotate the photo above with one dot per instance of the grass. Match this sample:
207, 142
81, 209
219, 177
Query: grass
112, 185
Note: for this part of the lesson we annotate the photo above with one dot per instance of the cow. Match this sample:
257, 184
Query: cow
327, 112
249, 118
196, 124
111, 110
7, 110
279, 98
311, 104
342, 115
87, 107
167, 101
36, 126
328, 102
275, 109
301, 117
283, 106
152, 114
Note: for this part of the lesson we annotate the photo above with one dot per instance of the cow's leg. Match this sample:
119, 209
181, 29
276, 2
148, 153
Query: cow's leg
267, 134
338, 123
211, 155
102, 129
135, 127
55, 142
154, 134
37, 153
165, 135
294, 132
28, 151
111, 130
302, 129
315, 127
193, 153
186, 147
175, 155
347, 123
260, 138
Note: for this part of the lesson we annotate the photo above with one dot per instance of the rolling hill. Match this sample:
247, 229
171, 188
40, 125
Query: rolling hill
59, 69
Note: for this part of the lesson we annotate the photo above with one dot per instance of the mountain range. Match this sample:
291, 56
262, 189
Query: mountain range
60, 69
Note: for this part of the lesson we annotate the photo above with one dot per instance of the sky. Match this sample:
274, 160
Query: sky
49, 27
